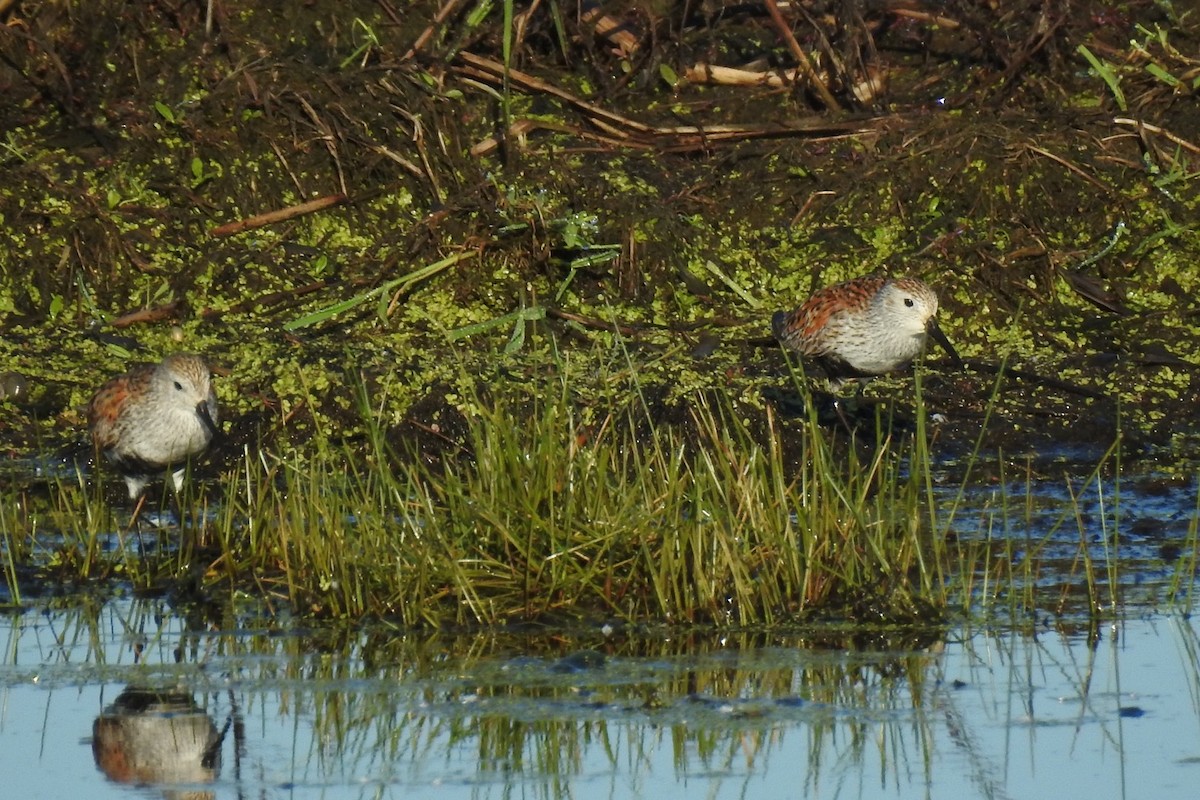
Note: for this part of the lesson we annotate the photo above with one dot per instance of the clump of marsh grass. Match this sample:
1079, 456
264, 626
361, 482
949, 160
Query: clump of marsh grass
544, 510
544, 516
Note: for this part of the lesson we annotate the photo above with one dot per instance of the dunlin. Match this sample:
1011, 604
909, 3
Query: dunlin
154, 418
863, 327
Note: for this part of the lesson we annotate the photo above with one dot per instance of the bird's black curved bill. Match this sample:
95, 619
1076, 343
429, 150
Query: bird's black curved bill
206, 418
939, 337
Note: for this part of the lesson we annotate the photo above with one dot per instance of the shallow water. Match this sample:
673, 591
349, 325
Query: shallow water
1135, 540
135, 698
247, 707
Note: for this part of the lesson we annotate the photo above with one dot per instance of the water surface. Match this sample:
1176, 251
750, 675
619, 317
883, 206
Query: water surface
246, 707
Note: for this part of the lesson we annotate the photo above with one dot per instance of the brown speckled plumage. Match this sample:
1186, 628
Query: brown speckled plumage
862, 327
155, 417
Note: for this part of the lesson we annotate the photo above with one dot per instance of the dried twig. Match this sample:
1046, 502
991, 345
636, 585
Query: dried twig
287, 167
865, 90
1146, 126
327, 138
448, 8
805, 66
155, 314
625, 132
493, 73
265, 300
271, 217
624, 43
925, 16
592, 322
1077, 170
993, 368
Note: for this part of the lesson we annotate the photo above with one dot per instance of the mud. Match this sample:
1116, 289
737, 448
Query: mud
609, 212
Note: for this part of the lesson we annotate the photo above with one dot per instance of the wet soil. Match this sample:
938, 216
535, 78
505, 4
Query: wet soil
616, 218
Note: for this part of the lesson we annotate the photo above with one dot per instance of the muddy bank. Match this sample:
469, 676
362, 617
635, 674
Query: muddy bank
610, 214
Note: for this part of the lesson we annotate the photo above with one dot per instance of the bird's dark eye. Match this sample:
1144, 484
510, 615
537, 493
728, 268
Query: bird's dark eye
179, 386
908, 301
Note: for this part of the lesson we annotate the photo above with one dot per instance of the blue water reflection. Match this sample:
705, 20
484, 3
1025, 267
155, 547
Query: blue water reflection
131, 700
